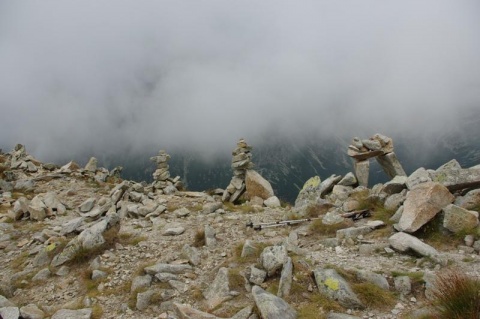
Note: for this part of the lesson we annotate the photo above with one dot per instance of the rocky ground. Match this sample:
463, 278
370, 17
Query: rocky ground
81, 243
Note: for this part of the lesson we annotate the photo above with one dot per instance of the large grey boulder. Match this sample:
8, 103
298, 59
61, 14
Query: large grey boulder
218, 291
457, 179
85, 313
335, 287
404, 243
422, 204
271, 306
256, 185
457, 219
273, 258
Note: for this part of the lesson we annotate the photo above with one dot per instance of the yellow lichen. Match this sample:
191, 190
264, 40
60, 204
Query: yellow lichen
312, 182
332, 283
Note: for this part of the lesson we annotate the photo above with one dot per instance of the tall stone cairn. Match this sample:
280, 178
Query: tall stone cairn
378, 146
161, 176
241, 162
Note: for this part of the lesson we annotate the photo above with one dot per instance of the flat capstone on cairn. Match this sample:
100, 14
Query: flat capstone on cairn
378, 146
162, 182
241, 162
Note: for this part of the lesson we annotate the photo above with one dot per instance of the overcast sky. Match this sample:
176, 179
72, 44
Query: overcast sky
136, 76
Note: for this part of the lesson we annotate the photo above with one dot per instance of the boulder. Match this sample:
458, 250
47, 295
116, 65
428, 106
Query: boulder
458, 219
87, 205
422, 204
91, 165
470, 200
256, 276
140, 283
273, 258
396, 185
348, 180
272, 202
404, 243
192, 254
31, 311
270, 306
9, 313
256, 185
335, 287
374, 278
218, 291
457, 179
418, 177
37, 208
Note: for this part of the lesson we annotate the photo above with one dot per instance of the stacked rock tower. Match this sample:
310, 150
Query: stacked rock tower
161, 177
241, 162
380, 147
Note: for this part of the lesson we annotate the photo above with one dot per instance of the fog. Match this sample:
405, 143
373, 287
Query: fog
131, 77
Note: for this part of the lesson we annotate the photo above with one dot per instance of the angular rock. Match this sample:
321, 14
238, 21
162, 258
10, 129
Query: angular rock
85, 313
348, 180
87, 205
170, 268
248, 249
470, 201
374, 278
256, 276
403, 285
273, 258
42, 275
393, 202
20, 208
143, 299
210, 208
404, 242
422, 204
91, 165
210, 236
458, 219
192, 254
391, 165
327, 185
141, 282
9, 313
458, 179
272, 202
4, 302
187, 312
362, 169
256, 185
418, 177
285, 279
31, 311
354, 232
98, 274
37, 209
396, 185
165, 277
218, 291
272, 307
330, 283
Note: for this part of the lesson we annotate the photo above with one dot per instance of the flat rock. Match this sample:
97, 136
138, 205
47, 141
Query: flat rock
218, 291
174, 231
271, 306
170, 268
85, 313
404, 242
422, 204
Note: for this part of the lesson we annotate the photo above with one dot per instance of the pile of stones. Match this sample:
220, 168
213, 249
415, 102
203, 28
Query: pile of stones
241, 162
380, 147
162, 183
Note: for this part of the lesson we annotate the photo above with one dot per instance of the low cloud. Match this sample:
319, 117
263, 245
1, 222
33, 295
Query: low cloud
120, 77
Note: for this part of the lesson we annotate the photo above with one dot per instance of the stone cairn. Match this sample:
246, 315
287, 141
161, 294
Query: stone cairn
161, 177
241, 162
378, 146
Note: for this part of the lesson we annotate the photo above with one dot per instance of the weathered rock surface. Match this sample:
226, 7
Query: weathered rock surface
458, 219
422, 204
330, 283
273, 258
85, 313
272, 307
404, 243
256, 185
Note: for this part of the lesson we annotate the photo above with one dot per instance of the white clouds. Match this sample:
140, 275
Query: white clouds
115, 75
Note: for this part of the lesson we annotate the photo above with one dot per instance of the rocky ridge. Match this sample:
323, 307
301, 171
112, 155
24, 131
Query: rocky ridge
82, 243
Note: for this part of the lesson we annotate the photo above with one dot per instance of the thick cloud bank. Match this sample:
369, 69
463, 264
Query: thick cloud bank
82, 77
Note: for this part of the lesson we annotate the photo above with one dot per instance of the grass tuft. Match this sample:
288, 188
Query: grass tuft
456, 296
199, 239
